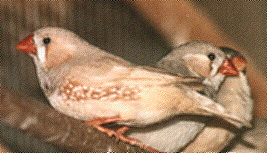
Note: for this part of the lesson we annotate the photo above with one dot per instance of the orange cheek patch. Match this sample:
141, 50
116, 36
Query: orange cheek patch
55, 57
239, 63
201, 67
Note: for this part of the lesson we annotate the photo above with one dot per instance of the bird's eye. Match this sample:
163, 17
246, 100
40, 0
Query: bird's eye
46, 40
211, 56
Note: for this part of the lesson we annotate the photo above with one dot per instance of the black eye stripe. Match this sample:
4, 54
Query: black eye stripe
211, 56
46, 40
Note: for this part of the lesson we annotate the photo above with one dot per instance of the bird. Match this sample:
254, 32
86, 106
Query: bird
234, 94
195, 58
90, 84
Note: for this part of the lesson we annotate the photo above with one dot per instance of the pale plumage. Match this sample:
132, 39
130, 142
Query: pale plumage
234, 94
180, 131
195, 58
87, 83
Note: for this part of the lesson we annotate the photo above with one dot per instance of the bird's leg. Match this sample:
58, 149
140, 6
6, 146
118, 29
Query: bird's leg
97, 122
122, 129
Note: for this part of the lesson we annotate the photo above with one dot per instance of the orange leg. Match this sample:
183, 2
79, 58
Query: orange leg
97, 122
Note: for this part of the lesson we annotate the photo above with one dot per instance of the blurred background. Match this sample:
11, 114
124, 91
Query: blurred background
139, 31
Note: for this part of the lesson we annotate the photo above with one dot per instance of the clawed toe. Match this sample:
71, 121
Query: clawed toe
96, 123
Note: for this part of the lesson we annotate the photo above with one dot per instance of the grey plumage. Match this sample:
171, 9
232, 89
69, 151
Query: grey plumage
173, 136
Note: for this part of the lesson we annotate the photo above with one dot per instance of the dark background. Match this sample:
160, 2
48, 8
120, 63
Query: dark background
116, 27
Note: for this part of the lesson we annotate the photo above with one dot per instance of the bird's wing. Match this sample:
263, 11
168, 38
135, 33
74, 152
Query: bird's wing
192, 82
132, 92
108, 70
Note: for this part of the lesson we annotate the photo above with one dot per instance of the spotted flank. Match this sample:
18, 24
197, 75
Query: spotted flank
72, 90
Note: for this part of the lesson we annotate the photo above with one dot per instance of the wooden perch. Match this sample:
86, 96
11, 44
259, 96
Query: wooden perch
43, 122
3, 147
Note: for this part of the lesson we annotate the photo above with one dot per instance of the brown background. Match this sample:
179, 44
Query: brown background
142, 34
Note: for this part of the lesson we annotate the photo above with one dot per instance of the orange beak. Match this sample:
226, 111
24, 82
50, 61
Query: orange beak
27, 45
228, 68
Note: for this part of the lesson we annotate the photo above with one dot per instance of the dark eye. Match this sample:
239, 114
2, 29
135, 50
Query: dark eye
211, 56
46, 40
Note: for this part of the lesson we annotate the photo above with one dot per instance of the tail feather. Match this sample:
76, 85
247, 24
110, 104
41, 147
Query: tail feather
218, 110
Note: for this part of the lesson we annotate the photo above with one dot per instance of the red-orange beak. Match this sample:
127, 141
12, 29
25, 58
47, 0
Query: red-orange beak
228, 68
27, 45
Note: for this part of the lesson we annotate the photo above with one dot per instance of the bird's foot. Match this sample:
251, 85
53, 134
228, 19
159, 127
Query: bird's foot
96, 123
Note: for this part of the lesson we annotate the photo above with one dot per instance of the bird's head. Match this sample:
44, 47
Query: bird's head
236, 58
50, 46
210, 60
202, 59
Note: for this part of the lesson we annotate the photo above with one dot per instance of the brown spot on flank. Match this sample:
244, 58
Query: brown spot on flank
72, 90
